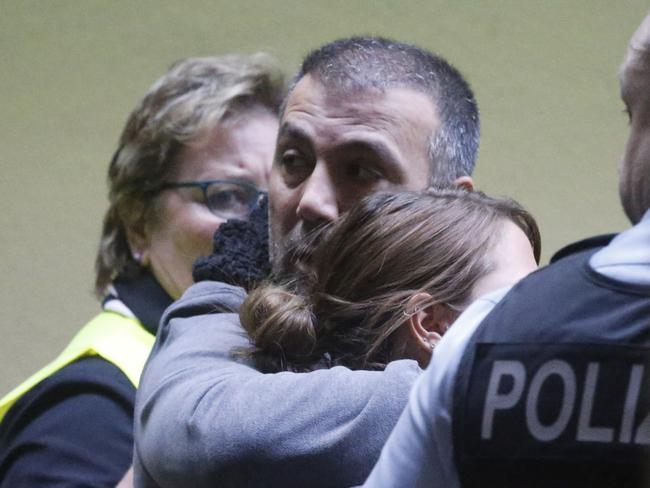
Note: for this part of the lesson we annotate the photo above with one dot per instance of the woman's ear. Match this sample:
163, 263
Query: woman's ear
464, 183
138, 244
426, 324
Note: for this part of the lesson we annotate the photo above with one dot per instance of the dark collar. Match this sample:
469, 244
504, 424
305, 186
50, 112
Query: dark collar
145, 298
583, 245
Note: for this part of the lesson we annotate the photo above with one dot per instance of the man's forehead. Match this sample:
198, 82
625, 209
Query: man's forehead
378, 107
634, 73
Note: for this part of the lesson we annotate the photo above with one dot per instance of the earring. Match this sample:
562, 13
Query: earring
137, 256
407, 314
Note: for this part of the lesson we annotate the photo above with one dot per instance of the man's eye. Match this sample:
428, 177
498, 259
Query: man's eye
363, 173
294, 166
292, 162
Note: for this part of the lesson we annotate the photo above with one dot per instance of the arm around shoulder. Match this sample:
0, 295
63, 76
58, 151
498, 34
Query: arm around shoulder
202, 415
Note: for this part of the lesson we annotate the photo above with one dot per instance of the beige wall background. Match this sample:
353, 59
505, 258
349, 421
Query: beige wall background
70, 71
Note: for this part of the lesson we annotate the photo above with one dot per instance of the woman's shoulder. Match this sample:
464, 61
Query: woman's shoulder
206, 297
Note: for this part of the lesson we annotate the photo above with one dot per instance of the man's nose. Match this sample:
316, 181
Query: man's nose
318, 203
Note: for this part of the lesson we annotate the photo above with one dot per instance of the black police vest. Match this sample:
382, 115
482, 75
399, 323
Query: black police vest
554, 387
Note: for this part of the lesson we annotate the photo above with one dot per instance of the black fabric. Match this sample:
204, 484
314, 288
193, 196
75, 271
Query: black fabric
554, 387
145, 298
240, 251
583, 245
75, 428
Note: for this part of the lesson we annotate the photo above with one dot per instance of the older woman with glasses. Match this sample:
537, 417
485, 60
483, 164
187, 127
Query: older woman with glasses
195, 152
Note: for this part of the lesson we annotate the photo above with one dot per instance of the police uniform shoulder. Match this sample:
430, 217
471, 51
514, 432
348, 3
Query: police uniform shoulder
587, 244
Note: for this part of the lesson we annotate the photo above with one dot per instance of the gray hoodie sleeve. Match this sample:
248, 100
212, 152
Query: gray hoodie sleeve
203, 418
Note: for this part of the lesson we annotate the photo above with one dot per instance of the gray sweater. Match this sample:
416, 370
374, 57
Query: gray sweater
203, 418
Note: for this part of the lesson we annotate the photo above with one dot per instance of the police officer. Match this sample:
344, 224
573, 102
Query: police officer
548, 384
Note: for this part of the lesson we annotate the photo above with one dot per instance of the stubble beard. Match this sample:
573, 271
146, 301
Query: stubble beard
278, 247
291, 256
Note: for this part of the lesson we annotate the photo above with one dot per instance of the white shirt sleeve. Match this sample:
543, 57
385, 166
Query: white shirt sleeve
419, 451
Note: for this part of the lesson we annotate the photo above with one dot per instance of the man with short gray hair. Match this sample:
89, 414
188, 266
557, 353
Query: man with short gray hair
365, 114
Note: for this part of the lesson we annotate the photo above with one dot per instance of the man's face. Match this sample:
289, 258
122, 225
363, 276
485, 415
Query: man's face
634, 183
334, 148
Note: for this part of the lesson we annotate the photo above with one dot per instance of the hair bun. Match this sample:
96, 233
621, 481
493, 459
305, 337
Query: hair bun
282, 328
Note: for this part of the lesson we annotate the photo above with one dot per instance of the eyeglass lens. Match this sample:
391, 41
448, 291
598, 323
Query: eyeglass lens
230, 200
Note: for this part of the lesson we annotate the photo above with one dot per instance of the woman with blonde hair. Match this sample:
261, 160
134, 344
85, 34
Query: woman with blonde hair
388, 279
194, 152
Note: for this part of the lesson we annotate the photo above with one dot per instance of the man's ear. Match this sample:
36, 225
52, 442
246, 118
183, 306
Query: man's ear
427, 323
464, 183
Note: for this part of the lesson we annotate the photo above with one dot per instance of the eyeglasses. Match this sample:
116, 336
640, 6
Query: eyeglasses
224, 198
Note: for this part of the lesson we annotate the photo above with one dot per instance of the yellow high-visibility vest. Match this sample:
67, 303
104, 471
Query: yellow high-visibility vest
120, 340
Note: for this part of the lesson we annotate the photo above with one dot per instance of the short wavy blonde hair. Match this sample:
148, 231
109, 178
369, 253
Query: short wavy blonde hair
185, 105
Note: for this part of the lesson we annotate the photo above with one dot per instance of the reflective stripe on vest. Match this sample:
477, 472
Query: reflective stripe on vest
119, 340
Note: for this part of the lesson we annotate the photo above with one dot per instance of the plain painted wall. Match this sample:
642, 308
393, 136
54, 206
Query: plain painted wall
544, 72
